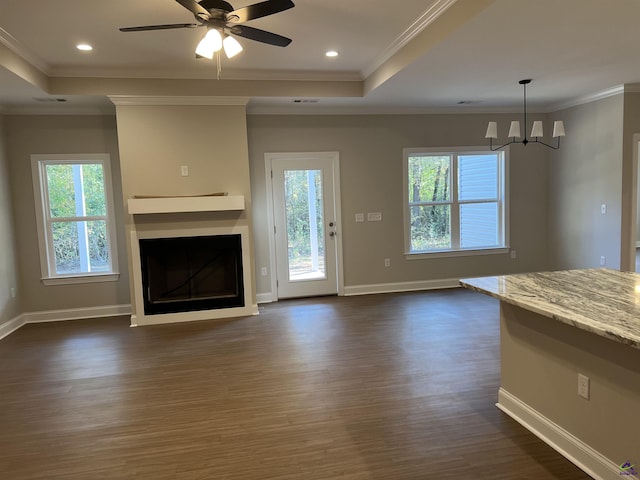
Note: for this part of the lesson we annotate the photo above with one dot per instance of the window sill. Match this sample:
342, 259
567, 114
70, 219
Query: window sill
77, 279
456, 253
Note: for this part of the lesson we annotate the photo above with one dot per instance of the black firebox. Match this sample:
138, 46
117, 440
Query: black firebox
186, 274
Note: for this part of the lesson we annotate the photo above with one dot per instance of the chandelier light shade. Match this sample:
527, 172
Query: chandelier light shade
558, 129
492, 130
514, 130
537, 130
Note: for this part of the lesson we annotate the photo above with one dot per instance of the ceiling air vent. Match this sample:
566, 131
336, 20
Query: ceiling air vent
49, 100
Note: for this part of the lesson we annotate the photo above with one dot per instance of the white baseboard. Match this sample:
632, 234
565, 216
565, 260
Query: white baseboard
266, 297
374, 288
11, 326
401, 287
77, 313
62, 315
572, 448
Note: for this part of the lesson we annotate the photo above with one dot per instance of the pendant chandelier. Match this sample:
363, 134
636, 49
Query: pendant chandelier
514, 130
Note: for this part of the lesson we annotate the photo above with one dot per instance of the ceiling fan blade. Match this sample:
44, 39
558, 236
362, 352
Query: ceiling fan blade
195, 8
258, 10
260, 35
159, 27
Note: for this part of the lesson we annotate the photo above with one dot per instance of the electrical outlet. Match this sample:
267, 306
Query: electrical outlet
513, 254
263, 271
359, 217
387, 262
583, 386
603, 261
374, 217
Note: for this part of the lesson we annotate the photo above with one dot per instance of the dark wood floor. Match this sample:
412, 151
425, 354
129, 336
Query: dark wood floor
381, 387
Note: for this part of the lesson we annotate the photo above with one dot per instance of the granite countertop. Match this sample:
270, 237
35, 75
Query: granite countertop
602, 301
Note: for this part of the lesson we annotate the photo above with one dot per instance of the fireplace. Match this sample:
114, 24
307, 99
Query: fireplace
185, 274
190, 259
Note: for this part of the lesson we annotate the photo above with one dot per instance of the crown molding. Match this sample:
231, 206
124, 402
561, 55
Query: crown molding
377, 110
205, 74
133, 100
436, 9
19, 49
592, 97
57, 110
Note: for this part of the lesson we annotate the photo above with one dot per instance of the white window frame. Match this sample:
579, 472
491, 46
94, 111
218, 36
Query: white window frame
39, 163
503, 202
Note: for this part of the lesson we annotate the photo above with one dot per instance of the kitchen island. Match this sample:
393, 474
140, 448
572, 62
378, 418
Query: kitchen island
570, 361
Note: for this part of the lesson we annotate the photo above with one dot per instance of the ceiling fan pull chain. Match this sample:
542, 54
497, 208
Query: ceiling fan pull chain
219, 63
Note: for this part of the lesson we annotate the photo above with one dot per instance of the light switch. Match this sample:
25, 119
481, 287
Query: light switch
184, 170
359, 217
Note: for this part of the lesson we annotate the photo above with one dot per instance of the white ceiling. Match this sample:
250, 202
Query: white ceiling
570, 48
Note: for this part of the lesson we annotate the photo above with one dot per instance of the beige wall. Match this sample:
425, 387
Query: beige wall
541, 359
156, 140
555, 196
630, 180
9, 307
370, 148
584, 174
29, 134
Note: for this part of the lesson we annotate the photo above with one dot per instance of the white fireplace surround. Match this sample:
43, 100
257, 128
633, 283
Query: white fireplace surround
188, 204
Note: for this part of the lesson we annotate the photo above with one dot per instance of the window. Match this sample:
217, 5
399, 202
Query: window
454, 201
74, 212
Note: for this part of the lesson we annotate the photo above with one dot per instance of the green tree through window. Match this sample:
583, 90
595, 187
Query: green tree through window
76, 222
78, 217
429, 184
455, 200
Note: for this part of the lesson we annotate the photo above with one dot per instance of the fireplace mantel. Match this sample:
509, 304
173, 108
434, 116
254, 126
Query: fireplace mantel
139, 206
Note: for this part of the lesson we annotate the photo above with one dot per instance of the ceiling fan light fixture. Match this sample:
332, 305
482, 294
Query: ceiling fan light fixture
85, 47
210, 43
231, 46
331, 53
221, 19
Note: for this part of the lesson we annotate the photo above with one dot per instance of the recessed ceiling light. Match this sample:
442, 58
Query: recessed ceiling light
85, 47
331, 53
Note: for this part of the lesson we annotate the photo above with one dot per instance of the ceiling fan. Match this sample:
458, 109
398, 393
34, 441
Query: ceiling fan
222, 21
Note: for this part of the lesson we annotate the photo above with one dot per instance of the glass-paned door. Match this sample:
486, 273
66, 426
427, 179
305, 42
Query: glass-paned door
305, 226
